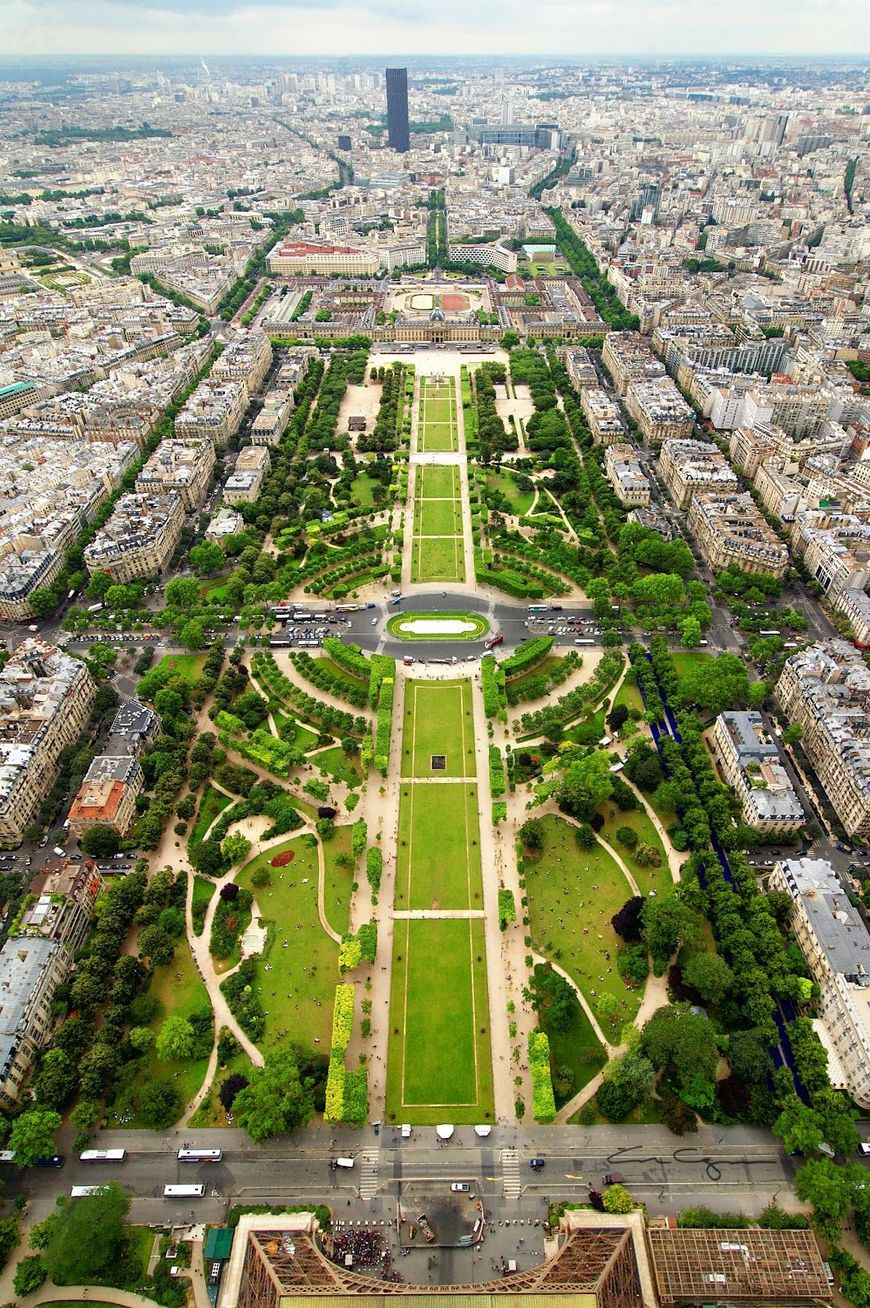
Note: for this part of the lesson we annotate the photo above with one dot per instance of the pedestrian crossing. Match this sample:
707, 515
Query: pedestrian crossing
369, 1166
510, 1170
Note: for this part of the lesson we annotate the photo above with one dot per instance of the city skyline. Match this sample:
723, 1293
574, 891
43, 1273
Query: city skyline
339, 28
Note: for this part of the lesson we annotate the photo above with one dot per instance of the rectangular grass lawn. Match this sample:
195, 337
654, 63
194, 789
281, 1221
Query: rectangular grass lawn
438, 859
437, 481
438, 558
438, 406
440, 1063
437, 721
438, 518
438, 437
573, 893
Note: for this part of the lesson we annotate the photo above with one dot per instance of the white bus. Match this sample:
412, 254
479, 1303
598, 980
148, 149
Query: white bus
103, 1156
539, 608
183, 1191
200, 1155
82, 1191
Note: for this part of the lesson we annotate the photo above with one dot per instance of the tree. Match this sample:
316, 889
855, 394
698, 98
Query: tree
141, 1038
690, 633
156, 945
234, 848
100, 842
276, 1100
628, 921
57, 1079
174, 1039
617, 1200
206, 558
159, 1105
88, 1239
628, 1081
681, 1040
230, 1088
29, 1275
122, 597
98, 1069
710, 975
532, 834
192, 634
668, 923
182, 593
32, 1135
627, 836
586, 783
792, 734
828, 1188
552, 996
716, 684
799, 1128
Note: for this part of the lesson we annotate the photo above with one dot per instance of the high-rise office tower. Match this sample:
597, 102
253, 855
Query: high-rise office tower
397, 109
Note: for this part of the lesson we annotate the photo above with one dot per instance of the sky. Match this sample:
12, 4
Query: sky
418, 27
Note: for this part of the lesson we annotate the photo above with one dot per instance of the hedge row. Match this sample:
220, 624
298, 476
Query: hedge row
496, 772
539, 685
356, 1097
527, 656
265, 750
317, 672
492, 683
349, 657
358, 837
499, 812
507, 908
286, 692
384, 725
368, 940
349, 954
510, 582
342, 1017
543, 1099
374, 867
344, 1093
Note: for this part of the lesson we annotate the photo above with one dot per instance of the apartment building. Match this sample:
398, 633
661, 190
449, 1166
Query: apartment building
659, 410
36, 958
183, 466
835, 548
731, 533
45, 700
836, 945
271, 422
579, 366
855, 608
485, 254
602, 415
297, 258
825, 688
625, 476
403, 254
246, 359
749, 761
244, 482
107, 796
692, 467
213, 412
139, 538
628, 357
784, 497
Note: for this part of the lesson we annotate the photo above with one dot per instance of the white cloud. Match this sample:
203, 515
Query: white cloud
348, 27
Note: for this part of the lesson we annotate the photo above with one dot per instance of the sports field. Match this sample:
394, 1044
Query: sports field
439, 1059
437, 551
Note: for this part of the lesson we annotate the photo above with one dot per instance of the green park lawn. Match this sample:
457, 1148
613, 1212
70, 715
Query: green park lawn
338, 765
437, 405
437, 720
203, 890
438, 438
539, 670
576, 1053
629, 695
297, 994
438, 859
437, 518
689, 660
211, 806
647, 878
572, 891
362, 490
437, 482
439, 1063
341, 675
188, 666
437, 559
520, 500
303, 737
179, 992
337, 881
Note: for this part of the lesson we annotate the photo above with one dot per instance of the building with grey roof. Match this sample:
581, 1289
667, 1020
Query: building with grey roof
836, 946
749, 761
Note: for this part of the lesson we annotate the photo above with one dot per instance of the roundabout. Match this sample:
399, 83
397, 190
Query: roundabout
437, 626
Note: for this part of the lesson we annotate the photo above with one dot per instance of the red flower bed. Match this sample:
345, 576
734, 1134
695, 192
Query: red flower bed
281, 860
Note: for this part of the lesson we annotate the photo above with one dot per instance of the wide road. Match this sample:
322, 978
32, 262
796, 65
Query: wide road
732, 1168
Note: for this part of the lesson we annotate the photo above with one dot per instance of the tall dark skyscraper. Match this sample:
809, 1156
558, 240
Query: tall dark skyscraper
397, 109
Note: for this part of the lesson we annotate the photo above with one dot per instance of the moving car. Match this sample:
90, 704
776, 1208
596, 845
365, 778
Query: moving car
460, 1187
536, 1164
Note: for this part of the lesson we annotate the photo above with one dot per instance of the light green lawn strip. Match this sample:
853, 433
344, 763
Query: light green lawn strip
689, 660
438, 859
437, 720
438, 518
297, 993
337, 764
576, 1053
519, 500
440, 1062
569, 890
438, 438
337, 881
211, 806
438, 559
437, 482
188, 666
647, 878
